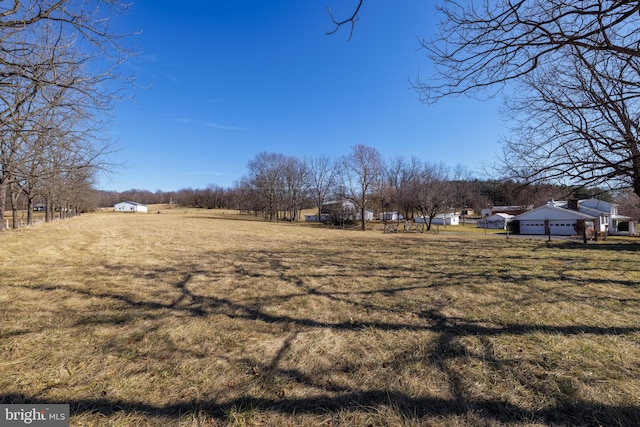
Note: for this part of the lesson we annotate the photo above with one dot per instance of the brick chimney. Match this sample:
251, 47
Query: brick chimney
573, 204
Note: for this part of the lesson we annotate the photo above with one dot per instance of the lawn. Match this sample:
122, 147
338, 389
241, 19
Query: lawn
202, 317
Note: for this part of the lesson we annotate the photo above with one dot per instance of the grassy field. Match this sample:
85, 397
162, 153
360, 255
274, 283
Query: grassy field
198, 317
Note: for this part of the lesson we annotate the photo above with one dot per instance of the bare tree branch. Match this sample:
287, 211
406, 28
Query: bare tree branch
350, 20
481, 47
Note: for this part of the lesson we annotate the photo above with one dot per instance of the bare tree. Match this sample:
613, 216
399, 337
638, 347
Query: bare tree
576, 64
629, 204
461, 190
579, 124
50, 121
433, 191
481, 45
360, 172
54, 54
247, 198
67, 175
266, 178
296, 187
277, 183
322, 179
402, 175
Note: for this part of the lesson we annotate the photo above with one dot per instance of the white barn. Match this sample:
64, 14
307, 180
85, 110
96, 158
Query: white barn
130, 207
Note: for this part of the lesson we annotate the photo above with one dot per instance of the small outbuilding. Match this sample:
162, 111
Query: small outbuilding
130, 207
316, 218
498, 221
345, 210
389, 216
440, 219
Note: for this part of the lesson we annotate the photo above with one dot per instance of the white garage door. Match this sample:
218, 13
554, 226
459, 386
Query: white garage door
532, 227
563, 228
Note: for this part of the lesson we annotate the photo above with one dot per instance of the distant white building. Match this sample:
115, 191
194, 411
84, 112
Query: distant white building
389, 216
130, 207
441, 219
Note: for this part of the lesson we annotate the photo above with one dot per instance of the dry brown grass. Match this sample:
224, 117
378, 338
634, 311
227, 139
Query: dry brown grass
205, 318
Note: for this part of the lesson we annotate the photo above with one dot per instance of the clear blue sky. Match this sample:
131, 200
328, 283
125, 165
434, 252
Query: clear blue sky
229, 79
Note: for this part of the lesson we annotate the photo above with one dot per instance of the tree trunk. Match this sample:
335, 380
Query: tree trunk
14, 194
3, 193
48, 216
29, 210
14, 216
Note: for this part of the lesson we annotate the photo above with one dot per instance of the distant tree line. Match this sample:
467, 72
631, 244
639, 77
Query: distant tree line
212, 197
278, 187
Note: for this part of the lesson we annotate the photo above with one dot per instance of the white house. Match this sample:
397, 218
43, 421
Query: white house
441, 219
553, 220
497, 221
610, 221
130, 207
607, 219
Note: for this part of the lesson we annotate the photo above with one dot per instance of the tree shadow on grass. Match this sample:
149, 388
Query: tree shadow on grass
447, 347
596, 246
341, 398
417, 409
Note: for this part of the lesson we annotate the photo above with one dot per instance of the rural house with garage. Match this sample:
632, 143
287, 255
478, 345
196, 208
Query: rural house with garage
553, 220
